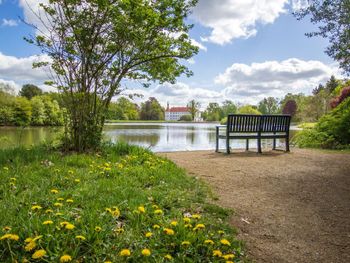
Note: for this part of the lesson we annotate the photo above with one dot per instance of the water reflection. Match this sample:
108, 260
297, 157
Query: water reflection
156, 136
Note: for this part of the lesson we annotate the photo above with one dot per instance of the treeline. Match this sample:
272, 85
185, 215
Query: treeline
30, 107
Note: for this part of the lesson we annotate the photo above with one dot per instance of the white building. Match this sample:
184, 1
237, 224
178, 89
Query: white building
175, 113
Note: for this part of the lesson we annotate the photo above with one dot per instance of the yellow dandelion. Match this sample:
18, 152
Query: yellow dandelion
229, 261
158, 212
156, 226
196, 216
185, 243
116, 212
48, 222
69, 200
47, 211
187, 220
80, 237
209, 242
98, 228
13, 179
36, 207
108, 261
125, 253
168, 257
69, 226
64, 223
30, 246
6, 228
225, 242
148, 234
155, 206
108, 210
28, 239
146, 252
228, 256
65, 258
141, 209
58, 204
217, 253
169, 231
39, 254
77, 180
10, 237
54, 191
188, 226
221, 232
59, 214
37, 238
173, 223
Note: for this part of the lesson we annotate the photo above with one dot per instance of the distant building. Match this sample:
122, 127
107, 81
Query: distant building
175, 113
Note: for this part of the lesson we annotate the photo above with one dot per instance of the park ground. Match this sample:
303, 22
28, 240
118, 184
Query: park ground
288, 207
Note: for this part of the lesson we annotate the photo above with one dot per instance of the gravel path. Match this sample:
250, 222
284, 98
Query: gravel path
289, 207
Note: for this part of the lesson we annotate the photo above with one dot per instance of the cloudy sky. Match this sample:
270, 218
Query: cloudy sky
249, 49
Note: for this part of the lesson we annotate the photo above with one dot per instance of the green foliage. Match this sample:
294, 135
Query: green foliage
193, 107
269, 105
248, 109
311, 138
91, 207
22, 111
213, 112
228, 107
38, 111
123, 109
185, 118
29, 91
151, 110
223, 121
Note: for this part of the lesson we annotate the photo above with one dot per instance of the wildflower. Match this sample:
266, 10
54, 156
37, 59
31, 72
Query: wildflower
80, 237
199, 226
48, 211
146, 252
221, 232
64, 223
119, 230
141, 209
59, 214
148, 234
125, 253
58, 204
69, 226
156, 226
98, 229
10, 236
209, 242
65, 258
108, 210
36, 207
185, 243
158, 212
228, 256
6, 228
168, 257
116, 212
155, 206
30, 246
70, 171
108, 261
196, 216
13, 179
60, 199
120, 166
54, 191
229, 261
217, 253
39, 254
173, 223
187, 219
188, 226
69, 200
36, 238
48, 222
77, 180
169, 231
225, 242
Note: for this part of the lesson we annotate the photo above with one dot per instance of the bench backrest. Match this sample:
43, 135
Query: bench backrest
258, 123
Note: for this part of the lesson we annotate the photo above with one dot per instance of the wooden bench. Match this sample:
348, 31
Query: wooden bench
244, 126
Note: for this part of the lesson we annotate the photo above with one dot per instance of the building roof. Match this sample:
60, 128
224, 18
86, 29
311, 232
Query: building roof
178, 109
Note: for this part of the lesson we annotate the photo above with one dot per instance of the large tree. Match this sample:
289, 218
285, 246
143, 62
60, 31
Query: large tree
96, 46
332, 18
151, 110
29, 91
193, 107
268, 106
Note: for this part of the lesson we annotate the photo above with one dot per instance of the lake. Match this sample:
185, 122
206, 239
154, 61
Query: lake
158, 137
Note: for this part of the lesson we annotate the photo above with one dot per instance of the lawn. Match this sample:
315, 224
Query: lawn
123, 204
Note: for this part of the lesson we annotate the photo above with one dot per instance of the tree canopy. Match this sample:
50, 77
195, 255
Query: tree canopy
29, 91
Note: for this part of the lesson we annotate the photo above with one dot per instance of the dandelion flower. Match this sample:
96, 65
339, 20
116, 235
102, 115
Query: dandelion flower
64, 223
77, 180
80, 237
156, 226
169, 231
47, 211
209, 242
108, 261
228, 256
48, 222
148, 234
119, 230
30, 246
225, 242
185, 243
187, 219
36, 207
69, 200
39, 254
173, 223
155, 206
98, 228
217, 253
65, 258
54, 191
59, 214
116, 212
158, 212
69, 226
58, 204
125, 253
10, 237
221, 232
146, 252
141, 209
188, 226
168, 257
196, 216
229, 261
6, 228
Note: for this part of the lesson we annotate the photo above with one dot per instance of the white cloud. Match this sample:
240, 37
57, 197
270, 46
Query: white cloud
9, 22
32, 12
13, 85
273, 78
198, 44
232, 19
20, 70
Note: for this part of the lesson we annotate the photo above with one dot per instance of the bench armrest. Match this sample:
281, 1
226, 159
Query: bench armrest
221, 126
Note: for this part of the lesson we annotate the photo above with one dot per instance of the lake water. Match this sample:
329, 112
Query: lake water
158, 137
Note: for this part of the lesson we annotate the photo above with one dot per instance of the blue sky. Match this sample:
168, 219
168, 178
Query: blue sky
249, 50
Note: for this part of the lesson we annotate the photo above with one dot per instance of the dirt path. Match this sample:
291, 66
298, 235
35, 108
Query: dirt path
289, 207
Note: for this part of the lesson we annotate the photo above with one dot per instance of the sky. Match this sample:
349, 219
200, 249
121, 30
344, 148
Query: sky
248, 50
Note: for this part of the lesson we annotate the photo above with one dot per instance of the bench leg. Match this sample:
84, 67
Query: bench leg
274, 144
247, 145
227, 145
287, 144
259, 145
217, 141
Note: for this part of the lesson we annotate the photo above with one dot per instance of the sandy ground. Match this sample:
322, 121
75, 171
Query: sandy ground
289, 207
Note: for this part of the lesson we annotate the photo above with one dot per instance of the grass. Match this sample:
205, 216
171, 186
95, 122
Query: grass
123, 204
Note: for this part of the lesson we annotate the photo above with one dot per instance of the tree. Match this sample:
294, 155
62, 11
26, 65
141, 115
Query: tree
268, 105
228, 107
186, 118
332, 18
96, 45
193, 107
248, 109
151, 110
213, 112
331, 84
290, 108
38, 111
318, 89
29, 91
22, 112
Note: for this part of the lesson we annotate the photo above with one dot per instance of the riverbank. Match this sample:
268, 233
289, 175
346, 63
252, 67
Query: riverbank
122, 204
289, 207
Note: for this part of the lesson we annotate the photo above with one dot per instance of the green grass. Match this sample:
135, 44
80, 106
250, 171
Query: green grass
107, 194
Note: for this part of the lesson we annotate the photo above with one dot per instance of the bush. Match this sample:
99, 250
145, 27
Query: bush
223, 121
311, 138
185, 118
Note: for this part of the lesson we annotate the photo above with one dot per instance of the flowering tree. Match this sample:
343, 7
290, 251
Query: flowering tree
96, 45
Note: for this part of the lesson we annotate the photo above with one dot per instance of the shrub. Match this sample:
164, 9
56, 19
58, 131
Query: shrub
185, 118
345, 93
223, 121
